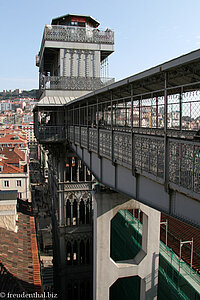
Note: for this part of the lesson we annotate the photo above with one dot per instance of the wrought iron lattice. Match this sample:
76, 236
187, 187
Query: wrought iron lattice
196, 158
77, 135
184, 164
51, 133
73, 83
87, 186
71, 133
77, 34
84, 137
93, 139
149, 155
105, 143
122, 147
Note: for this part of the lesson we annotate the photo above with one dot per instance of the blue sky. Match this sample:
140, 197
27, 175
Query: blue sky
147, 33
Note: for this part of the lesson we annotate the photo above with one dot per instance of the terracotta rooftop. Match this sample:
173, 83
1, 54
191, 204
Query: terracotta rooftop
12, 139
13, 155
10, 169
19, 253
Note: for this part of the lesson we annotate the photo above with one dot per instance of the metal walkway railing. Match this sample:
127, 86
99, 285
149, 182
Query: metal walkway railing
145, 154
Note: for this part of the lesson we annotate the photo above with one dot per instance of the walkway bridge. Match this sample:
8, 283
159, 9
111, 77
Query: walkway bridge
138, 136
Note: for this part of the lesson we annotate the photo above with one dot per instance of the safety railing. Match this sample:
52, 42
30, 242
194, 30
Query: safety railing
73, 83
179, 264
77, 34
184, 164
146, 154
71, 186
51, 133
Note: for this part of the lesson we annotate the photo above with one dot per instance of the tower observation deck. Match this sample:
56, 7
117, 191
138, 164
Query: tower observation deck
72, 52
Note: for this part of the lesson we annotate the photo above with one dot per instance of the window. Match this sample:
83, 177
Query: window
19, 195
19, 183
6, 183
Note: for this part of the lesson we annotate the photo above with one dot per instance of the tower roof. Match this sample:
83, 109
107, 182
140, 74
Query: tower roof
66, 18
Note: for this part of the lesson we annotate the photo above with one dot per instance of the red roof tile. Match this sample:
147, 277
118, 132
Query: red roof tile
10, 169
19, 253
13, 155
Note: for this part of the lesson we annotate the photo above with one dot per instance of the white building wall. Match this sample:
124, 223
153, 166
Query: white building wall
12, 179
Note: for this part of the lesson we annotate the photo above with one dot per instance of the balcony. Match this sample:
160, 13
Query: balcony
73, 83
76, 186
51, 134
77, 34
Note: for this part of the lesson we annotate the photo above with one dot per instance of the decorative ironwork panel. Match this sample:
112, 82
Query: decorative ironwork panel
196, 161
73, 83
71, 133
84, 136
51, 133
184, 164
86, 186
122, 147
93, 139
77, 134
105, 143
77, 34
174, 162
149, 155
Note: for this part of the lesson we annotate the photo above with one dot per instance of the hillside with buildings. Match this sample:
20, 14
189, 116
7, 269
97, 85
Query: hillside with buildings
12, 94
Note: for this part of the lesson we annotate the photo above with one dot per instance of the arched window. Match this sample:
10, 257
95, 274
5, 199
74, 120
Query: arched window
82, 291
88, 290
69, 253
82, 212
68, 213
69, 291
75, 253
88, 252
75, 291
67, 171
74, 212
82, 252
88, 212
